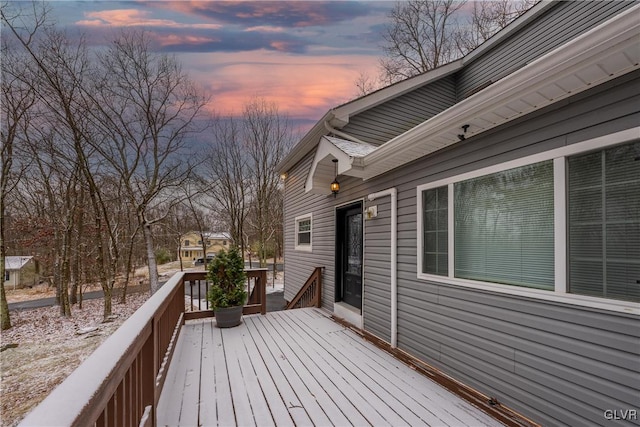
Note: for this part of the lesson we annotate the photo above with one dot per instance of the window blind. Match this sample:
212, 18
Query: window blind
504, 227
604, 223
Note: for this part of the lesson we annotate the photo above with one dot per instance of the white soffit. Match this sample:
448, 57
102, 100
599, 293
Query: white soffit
597, 56
323, 170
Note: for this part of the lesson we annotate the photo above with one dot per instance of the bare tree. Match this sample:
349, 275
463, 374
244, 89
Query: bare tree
59, 76
487, 18
227, 170
365, 84
16, 103
147, 108
268, 138
196, 208
419, 38
424, 34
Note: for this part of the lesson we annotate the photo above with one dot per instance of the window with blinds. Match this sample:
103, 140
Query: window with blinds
504, 227
604, 223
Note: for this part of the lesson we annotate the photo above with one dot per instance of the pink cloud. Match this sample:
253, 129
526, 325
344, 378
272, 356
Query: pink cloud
175, 39
134, 17
265, 29
301, 87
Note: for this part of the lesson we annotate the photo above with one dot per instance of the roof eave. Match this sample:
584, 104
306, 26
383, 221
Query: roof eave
607, 43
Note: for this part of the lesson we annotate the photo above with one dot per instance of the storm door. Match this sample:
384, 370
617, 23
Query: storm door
349, 255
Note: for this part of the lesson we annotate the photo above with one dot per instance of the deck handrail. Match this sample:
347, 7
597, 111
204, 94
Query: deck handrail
257, 301
310, 295
119, 384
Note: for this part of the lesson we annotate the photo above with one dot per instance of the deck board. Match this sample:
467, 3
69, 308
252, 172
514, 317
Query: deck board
324, 390
208, 413
376, 397
298, 367
300, 380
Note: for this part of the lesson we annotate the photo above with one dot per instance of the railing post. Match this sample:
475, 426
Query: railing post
263, 291
319, 285
148, 373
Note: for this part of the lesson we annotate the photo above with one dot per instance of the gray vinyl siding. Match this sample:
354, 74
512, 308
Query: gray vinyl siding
298, 265
377, 271
556, 363
561, 23
559, 364
384, 122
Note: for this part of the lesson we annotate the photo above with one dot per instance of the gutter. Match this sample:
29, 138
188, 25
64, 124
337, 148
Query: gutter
393, 192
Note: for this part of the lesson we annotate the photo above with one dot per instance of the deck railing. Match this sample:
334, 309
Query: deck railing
120, 383
197, 288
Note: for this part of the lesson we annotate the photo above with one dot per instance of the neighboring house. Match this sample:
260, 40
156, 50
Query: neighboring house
488, 216
20, 271
191, 244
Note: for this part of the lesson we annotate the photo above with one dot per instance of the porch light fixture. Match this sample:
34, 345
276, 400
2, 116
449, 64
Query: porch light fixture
335, 185
284, 176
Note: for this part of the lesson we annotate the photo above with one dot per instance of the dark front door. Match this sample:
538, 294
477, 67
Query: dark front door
349, 255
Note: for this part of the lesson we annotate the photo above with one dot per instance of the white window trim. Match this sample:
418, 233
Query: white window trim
303, 247
559, 294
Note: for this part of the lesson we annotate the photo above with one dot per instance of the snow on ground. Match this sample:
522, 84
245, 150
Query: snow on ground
49, 349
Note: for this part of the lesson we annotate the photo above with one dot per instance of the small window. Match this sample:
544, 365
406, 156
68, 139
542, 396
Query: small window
187, 243
7, 275
435, 258
303, 226
199, 242
224, 243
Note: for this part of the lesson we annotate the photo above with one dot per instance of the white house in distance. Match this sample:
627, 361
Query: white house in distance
487, 221
20, 271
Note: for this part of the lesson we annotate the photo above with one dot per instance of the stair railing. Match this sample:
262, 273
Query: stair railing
310, 295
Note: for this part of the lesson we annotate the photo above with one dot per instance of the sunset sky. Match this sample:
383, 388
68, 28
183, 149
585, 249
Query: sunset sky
303, 55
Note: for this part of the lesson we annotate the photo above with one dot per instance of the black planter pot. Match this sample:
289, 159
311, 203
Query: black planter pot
228, 317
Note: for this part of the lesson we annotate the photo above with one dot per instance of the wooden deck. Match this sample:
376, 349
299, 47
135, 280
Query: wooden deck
298, 367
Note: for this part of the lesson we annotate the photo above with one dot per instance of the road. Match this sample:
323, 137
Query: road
275, 301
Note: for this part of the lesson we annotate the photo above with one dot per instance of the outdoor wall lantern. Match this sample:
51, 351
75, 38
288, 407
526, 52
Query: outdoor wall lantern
335, 185
284, 176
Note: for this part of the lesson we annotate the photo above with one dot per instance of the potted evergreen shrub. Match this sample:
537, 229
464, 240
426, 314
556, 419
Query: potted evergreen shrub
227, 294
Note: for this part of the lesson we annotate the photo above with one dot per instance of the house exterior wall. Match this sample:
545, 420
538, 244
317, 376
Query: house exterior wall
298, 265
557, 363
382, 123
561, 23
191, 246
